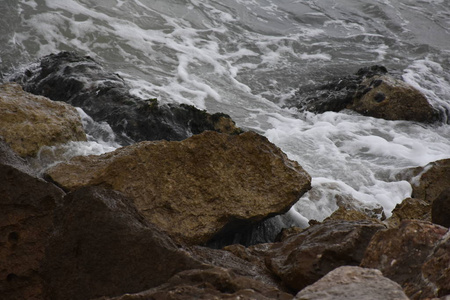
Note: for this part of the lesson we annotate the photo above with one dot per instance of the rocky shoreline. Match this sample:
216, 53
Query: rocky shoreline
133, 223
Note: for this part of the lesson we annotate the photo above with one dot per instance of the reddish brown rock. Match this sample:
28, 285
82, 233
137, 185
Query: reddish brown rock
27, 206
392, 99
208, 184
410, 209
430, 181
353, 283
399, 253
28, 122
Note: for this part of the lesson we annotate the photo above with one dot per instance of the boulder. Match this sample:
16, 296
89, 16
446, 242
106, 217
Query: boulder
389, 98
302, 259
440, 211
431, 180
82, 82
214, 283
399, 253
436, 269
371, 91
353, 283
28, 122
27, 206
410, 209
208, 184
102, 246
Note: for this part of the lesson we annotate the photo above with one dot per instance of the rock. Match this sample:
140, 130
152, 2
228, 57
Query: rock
209, 184
28, 122
102, 246
436, 269
302, 259
409, 209
353, 283
27, 206
430, 181
399, 253
347, 215
392, 99
10, 158
213, 283
440, 211
371, 92
106, 97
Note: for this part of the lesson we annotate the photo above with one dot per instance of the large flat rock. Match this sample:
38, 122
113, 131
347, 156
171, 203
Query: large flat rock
208, 184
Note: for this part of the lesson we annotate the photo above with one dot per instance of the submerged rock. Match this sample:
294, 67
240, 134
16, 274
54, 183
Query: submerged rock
371, 92
105, 96
206, 185
399, 253
353, 283
28, 122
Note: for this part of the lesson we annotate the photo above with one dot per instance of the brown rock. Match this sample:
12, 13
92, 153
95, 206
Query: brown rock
102, 246
430, 181
436, 269
28, 122
347, 215
27, 207
213, 283
399, 253
409, 209
353, 283
440, 211
393, 99
208, 183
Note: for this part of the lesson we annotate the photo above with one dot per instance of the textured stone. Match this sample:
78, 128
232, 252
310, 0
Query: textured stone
431, 180
410, 209
28, 122
208, 184
399, 253
436, 269
353, 283
102, 246
27, 206
392, 99
105, 96
440, 211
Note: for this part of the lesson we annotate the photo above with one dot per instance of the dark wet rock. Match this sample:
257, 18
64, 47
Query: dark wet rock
27, 206
353, 283
29, 122
214, 283
371, 92
302, 259
440, 210
82, 82
209, 185
102, 246
399, 253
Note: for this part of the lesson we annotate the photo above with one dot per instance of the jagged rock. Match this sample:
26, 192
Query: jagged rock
105, 96
436, 269
431, 180
399, 254
353, 283
28, 122
214, 283
208, 184
392, 99
440, 211
409, 209
102, 246
371, 92
27, 206
302, 259
347, 215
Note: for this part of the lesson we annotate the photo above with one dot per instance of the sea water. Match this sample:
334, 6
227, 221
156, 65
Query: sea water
245, 58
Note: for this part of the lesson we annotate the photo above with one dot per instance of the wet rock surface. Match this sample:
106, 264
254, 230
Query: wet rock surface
399, 253
82, 82
208, 185
353, 283
371, 92
28, 122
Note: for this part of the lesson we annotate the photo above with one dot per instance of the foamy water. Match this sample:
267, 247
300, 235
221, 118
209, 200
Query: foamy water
245, 58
